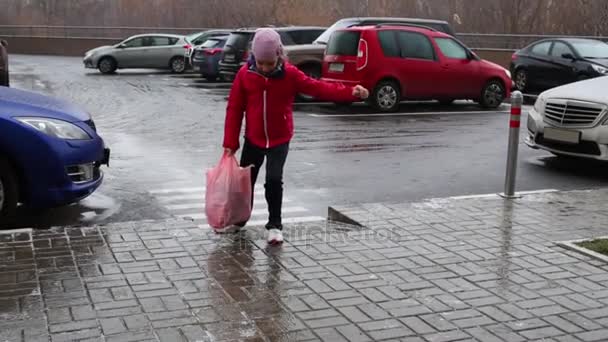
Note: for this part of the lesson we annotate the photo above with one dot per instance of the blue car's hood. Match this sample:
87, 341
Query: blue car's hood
14, 102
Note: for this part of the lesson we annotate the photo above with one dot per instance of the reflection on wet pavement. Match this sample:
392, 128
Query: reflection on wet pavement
436, 270
248, 286
506, 234
144, 278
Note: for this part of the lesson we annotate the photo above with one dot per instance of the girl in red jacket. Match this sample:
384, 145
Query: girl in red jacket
264, 90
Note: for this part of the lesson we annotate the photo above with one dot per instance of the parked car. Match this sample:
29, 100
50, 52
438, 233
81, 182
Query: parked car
199, 38
149, 51
309, 57
206, 57
553, 62
403, 62
50, 152
571, 120
4, 72
236, 50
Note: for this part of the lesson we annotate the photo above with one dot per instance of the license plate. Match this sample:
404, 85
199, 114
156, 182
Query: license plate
561, 135
336, 67
229, 58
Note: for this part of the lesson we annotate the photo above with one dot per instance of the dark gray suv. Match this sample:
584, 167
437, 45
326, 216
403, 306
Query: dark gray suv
236, 50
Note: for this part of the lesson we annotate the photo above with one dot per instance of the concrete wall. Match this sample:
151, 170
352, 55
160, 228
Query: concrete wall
499, 57
54, 46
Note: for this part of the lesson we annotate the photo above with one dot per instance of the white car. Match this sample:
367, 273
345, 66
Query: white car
572, 120
149, 51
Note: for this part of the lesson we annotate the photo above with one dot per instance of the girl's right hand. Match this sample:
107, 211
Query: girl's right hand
360, 92
229, 151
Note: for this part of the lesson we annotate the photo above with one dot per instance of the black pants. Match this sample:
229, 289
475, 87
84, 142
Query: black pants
4, 78
275, 161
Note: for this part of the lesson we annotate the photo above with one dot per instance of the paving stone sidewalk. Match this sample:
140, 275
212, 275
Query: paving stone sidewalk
479, 269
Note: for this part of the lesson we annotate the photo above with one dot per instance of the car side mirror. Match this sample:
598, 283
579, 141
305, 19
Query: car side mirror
568, 56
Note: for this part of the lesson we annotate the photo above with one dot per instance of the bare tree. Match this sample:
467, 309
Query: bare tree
581, 17
598, 23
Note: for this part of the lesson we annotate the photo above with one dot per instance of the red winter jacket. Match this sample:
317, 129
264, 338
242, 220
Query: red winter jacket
267, 104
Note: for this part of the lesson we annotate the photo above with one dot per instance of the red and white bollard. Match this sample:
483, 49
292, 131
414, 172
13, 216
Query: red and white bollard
517, 99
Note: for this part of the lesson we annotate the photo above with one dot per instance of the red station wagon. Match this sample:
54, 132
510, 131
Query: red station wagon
411, 62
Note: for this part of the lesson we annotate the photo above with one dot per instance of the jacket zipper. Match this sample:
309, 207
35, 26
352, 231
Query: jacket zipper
265, 114
265, 118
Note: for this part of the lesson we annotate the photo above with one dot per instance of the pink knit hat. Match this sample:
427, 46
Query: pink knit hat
266, 44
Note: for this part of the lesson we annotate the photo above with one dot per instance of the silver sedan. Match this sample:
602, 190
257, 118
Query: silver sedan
148, 51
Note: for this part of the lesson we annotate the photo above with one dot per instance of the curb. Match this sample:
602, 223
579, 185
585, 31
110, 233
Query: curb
571, 245
335, 215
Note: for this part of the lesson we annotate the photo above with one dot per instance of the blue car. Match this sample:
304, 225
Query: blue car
206, 58
50, 153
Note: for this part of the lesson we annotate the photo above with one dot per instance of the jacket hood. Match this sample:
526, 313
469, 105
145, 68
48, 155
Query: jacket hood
279, 72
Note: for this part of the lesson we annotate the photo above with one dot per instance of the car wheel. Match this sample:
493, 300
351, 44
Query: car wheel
178, 65
313, 71
386, 96
107, 65
8, 191
492, 94
521, 80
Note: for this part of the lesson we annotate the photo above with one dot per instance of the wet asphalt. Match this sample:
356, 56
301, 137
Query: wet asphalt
165, 130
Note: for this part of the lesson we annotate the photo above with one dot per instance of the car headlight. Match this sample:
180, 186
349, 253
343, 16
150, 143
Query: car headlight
539, 105
56, 128
600, 69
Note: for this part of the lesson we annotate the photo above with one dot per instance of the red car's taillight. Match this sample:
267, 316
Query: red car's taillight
212, 52
362, 54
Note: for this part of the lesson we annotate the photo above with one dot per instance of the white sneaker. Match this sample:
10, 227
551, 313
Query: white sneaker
228, 230
275, 237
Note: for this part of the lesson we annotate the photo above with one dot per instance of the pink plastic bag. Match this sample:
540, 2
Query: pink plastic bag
228, 193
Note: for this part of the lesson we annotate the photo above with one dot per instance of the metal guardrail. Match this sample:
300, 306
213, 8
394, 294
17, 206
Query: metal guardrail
486, 41
90, 32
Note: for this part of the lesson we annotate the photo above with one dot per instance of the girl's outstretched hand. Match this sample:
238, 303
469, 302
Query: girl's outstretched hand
360, 92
